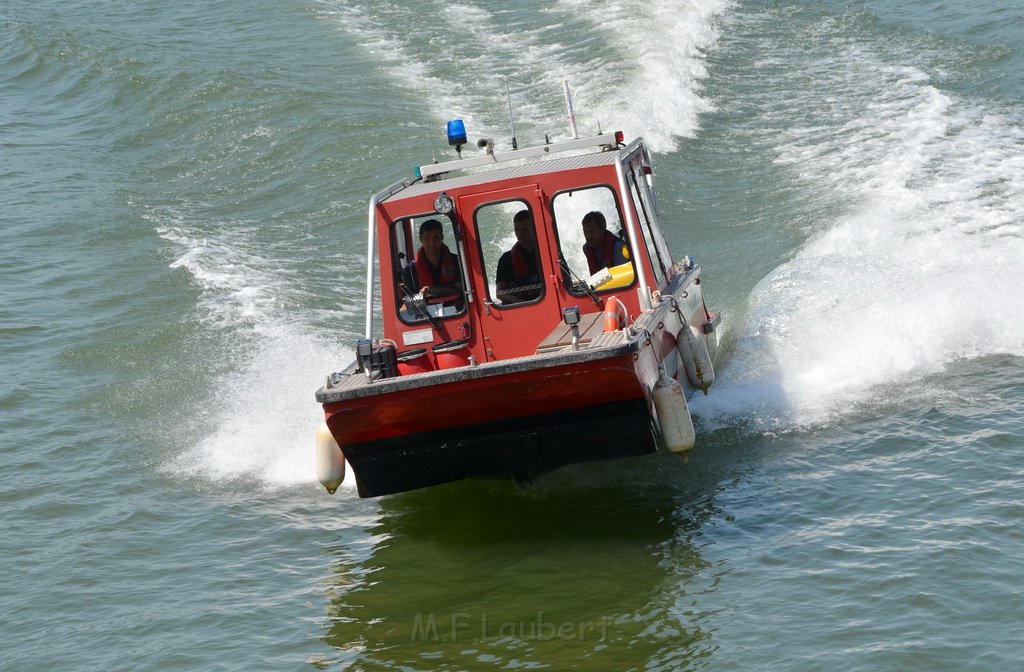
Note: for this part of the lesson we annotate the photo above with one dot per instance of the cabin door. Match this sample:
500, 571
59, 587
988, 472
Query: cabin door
516, 304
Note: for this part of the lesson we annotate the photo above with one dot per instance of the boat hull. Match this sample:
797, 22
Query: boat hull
514, 424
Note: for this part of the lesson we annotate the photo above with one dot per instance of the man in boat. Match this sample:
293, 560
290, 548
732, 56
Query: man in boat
436, 270
603, 249
518, 276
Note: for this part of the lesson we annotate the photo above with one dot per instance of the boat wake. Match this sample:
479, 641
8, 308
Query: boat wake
920, 270
257, 422
592, 44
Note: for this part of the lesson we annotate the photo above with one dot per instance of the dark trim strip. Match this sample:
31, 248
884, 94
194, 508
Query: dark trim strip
519, 449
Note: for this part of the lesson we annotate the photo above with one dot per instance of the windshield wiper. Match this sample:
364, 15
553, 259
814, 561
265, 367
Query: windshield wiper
583, 283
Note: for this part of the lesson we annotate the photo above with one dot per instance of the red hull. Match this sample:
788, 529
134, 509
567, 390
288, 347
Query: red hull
507, 396
514, 424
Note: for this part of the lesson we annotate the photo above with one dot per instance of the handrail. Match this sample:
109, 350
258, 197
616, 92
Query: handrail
369, 267
370, 238
432, 169
645, 291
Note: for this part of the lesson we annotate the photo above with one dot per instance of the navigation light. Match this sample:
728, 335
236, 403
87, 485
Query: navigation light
456, 133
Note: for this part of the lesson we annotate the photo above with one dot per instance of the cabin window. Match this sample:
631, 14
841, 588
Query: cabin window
605, 262
509, 253
429, 282
641, 207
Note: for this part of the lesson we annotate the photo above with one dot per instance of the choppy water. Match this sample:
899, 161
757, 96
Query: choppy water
182, 195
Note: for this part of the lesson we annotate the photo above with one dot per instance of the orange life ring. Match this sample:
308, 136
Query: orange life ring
614, 314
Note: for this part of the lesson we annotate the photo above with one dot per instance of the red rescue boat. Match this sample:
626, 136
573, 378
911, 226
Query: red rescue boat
521, 332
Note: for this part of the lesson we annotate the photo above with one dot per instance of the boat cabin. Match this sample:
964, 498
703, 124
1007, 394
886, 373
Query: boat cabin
480, 266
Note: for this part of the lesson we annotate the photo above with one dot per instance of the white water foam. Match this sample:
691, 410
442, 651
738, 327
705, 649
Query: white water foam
663, 47
263, 424
259, 426
645, 81
923, 271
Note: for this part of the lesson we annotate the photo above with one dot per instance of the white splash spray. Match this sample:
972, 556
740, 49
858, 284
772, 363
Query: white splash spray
633, 66
924, 270
263, 423
258, 427
661, 47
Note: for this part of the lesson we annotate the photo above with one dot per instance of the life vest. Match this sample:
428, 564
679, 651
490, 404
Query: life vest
524, 265
446, 274
607, 256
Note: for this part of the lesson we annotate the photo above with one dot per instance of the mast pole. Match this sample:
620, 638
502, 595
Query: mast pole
511, 123
569, 109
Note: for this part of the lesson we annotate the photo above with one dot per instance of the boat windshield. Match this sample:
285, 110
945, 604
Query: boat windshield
507, 235
591, 239
427, 270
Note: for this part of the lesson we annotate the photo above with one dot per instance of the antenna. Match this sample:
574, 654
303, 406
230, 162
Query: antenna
569, 110
511, 123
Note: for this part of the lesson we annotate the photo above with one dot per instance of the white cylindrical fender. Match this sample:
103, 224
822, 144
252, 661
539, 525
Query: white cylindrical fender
330, 461
673, 415
695, 357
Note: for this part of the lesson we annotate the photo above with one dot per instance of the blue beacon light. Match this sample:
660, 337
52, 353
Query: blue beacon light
456, 133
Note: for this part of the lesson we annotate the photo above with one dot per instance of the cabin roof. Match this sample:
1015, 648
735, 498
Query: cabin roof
504, 172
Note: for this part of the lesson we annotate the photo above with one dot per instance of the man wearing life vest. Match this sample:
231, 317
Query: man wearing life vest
518, 276
603, 249
436, 269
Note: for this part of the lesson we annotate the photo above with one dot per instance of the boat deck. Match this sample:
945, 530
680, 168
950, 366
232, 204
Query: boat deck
561, 336
555, 350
